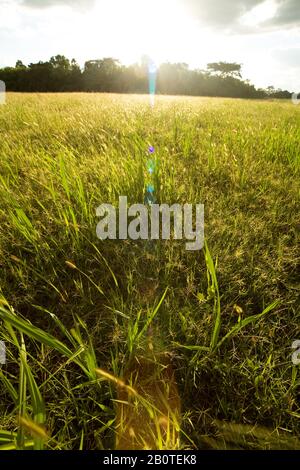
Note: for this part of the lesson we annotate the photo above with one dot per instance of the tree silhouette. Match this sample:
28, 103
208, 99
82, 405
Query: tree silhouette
226, 69
60, 74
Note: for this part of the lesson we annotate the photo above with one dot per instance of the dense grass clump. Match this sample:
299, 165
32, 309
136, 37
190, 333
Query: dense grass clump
77, 312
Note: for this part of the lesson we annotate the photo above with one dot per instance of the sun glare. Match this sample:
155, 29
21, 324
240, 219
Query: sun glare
159, 29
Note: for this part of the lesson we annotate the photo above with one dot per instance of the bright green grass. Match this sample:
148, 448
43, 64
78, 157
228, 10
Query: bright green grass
61, 156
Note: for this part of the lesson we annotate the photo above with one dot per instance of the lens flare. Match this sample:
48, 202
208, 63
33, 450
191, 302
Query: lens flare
152, 74
151, 164
150, 189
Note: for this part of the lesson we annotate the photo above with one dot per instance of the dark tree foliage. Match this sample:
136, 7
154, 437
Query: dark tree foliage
60, 74
226, 69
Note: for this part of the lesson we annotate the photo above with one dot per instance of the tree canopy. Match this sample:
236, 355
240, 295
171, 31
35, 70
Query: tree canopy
226, 69
60, 74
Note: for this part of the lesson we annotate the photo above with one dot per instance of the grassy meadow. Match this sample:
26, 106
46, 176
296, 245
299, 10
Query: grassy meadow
78, 314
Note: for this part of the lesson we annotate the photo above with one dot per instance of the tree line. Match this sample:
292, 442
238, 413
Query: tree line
60, 74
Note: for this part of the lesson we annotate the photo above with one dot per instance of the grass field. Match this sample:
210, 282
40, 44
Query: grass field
77, 312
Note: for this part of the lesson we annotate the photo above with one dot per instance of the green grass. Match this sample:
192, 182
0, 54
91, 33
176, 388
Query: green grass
70, 304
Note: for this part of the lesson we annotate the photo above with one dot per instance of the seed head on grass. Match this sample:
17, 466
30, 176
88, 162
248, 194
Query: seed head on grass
118, 382
15, 258
71, 265
34, 429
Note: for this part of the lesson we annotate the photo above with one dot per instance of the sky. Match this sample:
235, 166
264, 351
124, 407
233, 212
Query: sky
263, 35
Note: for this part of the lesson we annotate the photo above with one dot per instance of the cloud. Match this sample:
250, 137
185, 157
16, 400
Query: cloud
78, 4
287, 15
222, 13
225, 14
